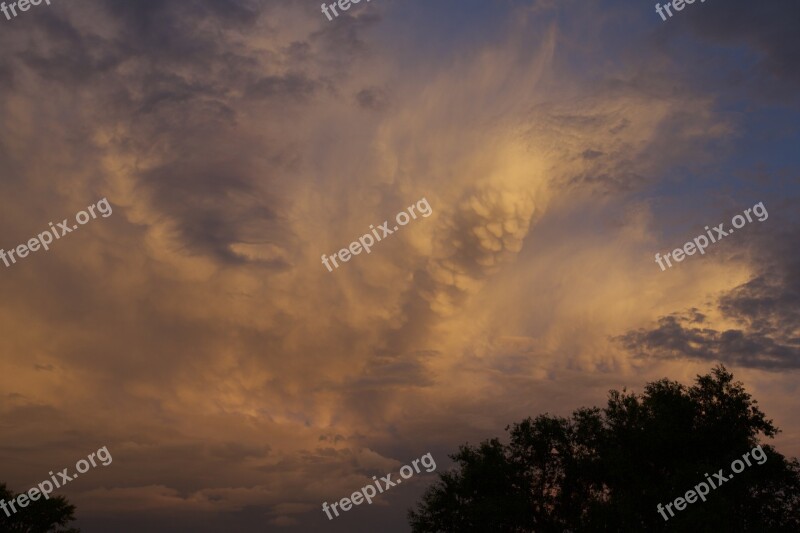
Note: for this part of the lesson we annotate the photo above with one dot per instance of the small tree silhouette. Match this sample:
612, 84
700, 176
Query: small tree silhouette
607, 469
40, 516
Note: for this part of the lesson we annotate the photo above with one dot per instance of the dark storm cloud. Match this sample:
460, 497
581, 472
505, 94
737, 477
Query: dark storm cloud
69, 56
187, 89
213, 202
769, 26
293, 85
757, 48
168, 30
591, 154
345, 36
238, 452
674, 340
372, 98
389, 372
765, 308
164, 31
145, 15
6, 75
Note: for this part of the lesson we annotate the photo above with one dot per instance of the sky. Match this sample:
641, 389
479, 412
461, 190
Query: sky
237, 382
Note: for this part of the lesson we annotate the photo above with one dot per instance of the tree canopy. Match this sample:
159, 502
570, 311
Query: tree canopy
40, 516
607, 469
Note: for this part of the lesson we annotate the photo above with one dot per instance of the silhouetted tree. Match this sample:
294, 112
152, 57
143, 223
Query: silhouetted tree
40, 516
607, 469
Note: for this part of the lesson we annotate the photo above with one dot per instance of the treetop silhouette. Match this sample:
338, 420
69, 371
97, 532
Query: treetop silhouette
608, 469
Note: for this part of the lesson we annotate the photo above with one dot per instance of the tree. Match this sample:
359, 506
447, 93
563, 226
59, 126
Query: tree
40, 516
608, 469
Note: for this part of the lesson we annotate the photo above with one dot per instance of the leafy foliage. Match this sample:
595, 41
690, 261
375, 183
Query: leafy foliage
40, 516
607, 469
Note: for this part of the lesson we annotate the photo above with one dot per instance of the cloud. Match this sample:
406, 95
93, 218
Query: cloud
767, 29
763, 310
196, 333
